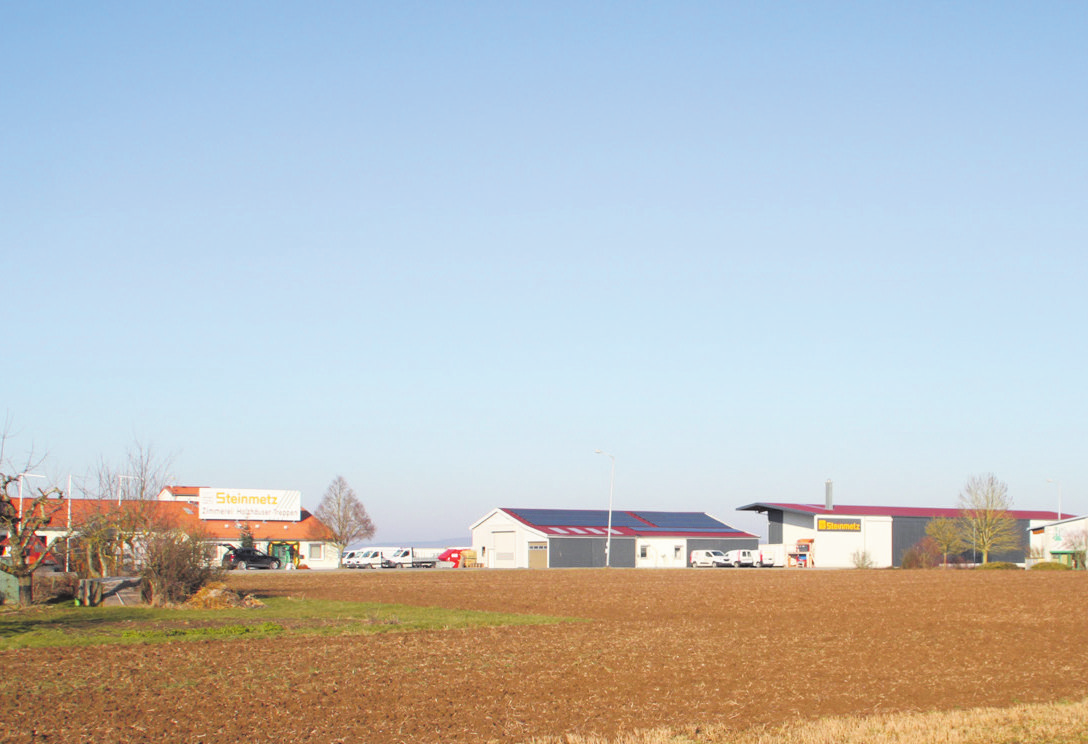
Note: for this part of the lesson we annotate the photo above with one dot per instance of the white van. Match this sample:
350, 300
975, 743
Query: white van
738, 558
372, 557
347, 560
708, 559
772, 555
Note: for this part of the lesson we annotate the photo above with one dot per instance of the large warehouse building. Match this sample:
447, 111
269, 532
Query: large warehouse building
575, 538
829, 536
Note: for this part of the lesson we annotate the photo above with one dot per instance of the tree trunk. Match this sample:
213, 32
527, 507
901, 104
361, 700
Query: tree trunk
26, 590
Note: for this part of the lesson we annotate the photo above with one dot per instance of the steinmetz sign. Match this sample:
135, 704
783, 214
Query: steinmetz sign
250, 504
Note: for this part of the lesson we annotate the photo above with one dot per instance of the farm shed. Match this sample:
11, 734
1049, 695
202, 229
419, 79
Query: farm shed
884, 532
577, 538
1063, 540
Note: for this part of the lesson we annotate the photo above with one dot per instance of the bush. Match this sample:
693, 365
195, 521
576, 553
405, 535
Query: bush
1051, 566
998, 566
54, 587
925, 553
862, 559
176, 565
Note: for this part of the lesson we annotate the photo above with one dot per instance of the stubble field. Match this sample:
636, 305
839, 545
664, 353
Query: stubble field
673, 649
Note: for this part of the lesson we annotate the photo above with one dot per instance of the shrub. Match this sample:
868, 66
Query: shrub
54, 587
862, 559
1051, 566
176, 565
926, 553
999, 566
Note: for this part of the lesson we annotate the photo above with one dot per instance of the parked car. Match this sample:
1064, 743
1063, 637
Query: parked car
245, 558
708, 558
350, 559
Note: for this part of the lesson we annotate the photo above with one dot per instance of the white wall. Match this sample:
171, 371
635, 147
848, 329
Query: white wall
797, 527
660, 552
836, 549
500, 541
1064, 535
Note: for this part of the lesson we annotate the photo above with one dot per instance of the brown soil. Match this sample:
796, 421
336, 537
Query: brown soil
664, 648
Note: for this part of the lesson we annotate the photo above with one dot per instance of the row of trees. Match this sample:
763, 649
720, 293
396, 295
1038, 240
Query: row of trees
984, 525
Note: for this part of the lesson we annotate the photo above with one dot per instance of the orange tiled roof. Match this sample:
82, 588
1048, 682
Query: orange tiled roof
180, 514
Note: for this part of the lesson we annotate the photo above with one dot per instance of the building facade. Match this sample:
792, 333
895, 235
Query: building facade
1064, 541
835, 536
580, 538
278, 525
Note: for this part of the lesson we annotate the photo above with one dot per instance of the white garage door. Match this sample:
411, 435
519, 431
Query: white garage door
504, 549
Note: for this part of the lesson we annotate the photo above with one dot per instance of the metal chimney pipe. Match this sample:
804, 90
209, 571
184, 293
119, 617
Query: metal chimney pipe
829, 501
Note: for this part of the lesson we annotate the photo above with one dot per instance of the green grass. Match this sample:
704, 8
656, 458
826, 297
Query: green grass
40, 627
998, 566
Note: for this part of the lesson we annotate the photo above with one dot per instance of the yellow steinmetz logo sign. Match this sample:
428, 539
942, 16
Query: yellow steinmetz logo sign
838, 525
267, 499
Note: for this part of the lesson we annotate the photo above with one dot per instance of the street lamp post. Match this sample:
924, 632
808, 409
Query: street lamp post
119, 477
611, 490
1051, 480
20, 477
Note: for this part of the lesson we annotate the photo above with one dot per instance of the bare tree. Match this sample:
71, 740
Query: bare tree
141, 476
946, 533
344, 515
21, 521
128, 492
984, 521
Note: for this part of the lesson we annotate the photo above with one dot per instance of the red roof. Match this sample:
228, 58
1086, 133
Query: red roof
928, 512
180, 514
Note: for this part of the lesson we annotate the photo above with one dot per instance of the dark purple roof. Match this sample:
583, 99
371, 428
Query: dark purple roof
929, 512
594, 523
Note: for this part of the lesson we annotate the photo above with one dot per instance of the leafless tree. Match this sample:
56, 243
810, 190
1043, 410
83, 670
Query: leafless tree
128, 492
344, 515
21, 521
984, 521
141, 476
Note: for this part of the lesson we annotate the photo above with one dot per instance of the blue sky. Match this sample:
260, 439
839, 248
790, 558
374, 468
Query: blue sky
447, 250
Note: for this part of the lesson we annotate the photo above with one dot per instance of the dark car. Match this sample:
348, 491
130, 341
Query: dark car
244, 558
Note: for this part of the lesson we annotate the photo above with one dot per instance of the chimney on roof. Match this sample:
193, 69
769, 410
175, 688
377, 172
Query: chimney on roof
829, 501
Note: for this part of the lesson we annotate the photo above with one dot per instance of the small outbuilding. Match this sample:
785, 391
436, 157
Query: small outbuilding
1064, 541
580, 538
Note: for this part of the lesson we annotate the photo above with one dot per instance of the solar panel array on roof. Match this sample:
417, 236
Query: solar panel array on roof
576, 518
595, 521
682, 520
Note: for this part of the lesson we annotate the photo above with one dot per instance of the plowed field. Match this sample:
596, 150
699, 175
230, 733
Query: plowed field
660, 648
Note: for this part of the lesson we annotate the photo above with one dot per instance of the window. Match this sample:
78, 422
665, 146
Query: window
643, 551
677, 551
316, 551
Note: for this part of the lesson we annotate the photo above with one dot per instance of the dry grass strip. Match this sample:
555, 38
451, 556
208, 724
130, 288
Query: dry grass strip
1052, 723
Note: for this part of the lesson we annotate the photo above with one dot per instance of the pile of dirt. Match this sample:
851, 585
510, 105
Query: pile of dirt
216, 596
